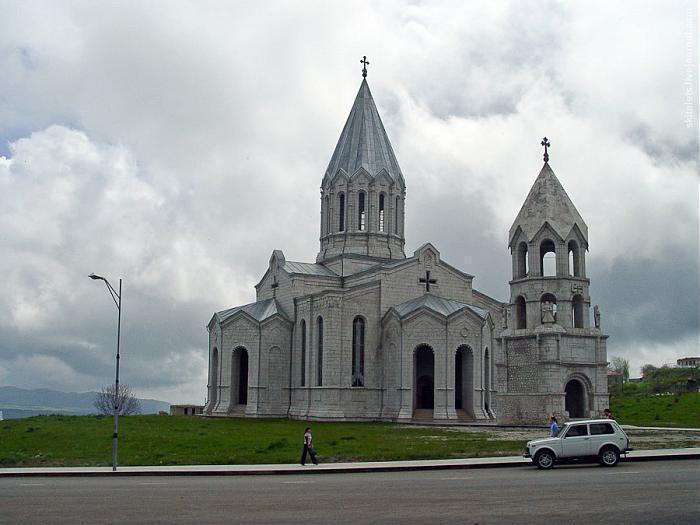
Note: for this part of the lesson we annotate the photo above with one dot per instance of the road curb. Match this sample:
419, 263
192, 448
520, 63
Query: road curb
485, 463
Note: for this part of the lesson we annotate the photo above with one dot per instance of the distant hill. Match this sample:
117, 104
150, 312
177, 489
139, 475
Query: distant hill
20, 402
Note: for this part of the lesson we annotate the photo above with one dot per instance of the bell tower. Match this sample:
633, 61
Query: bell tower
363, 190
548, 243
552, 351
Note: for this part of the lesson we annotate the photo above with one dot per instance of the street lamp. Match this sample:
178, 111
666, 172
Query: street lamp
117, 298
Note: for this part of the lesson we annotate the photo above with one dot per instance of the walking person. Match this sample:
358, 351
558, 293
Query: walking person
308, 447
553, 426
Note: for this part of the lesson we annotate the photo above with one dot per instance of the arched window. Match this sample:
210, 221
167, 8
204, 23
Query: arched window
396, 216
303, 352
577, 311
358, 352
328, 214
319, 351
522, 267
520, 313
361, 211
548, 307
548, 258
341, 212
574, 261
381, 212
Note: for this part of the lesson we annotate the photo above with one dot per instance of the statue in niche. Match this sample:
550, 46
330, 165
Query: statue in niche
547, 312
596, 316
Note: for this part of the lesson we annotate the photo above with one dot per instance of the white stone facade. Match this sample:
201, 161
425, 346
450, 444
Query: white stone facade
366, 333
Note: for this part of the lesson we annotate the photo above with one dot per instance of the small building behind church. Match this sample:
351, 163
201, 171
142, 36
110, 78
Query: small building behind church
367, 332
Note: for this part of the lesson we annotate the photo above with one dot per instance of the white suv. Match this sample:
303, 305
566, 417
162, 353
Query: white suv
597, 438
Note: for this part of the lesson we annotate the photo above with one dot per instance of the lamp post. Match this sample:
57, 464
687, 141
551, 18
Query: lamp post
117, 298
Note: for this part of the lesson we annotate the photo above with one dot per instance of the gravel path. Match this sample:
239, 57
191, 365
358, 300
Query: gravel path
642, 439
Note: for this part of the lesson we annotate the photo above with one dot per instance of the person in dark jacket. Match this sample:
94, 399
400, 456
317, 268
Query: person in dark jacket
308, 447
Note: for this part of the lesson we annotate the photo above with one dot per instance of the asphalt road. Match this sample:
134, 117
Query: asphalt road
653, 492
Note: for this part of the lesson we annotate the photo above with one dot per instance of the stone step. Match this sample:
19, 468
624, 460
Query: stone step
423, 414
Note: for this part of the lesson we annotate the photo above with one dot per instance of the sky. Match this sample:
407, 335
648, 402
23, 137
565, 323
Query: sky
176, 144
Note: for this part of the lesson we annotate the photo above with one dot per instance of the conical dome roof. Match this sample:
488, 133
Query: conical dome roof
364, 142
547, 202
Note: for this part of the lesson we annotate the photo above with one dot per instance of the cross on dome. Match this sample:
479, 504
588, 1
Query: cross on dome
364, 63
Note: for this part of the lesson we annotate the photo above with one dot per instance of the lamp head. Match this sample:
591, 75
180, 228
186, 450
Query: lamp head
96, 277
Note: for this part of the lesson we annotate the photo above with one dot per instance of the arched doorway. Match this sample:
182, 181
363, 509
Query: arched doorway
464, 380
487, 381
575, 403
424, 378
239, 377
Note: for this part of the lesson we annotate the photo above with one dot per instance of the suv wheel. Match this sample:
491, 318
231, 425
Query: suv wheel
544, 459
609, 457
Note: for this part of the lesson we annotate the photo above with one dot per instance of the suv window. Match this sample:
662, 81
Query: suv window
601, 428
577, 430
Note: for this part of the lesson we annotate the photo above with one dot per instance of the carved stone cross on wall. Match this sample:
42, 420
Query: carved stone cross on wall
427, 280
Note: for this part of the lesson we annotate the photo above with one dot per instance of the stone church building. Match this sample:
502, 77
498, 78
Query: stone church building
368, 333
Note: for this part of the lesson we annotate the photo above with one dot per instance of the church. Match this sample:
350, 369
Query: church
369, 333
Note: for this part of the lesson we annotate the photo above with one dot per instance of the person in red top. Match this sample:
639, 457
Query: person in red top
308, 447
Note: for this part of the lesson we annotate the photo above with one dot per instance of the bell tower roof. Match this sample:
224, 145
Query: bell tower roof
547, 202
363, 142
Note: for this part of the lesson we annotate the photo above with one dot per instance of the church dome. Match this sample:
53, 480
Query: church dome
363, 142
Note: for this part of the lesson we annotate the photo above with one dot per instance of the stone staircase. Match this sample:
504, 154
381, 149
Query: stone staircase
423, 414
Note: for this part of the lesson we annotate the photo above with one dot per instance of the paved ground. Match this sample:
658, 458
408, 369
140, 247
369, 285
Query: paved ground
653, 492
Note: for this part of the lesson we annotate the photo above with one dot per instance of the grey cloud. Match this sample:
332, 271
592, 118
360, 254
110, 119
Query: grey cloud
178, 146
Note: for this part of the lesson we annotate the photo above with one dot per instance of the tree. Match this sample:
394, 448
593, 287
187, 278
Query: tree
126, 401
622, 366
648, 370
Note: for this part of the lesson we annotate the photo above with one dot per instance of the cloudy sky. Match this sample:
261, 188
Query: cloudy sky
176, 144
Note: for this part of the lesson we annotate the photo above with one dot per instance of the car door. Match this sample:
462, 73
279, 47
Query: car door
602, 433
576, 442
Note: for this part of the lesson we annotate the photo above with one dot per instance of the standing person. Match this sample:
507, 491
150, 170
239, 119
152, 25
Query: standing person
553, 427
308, 447
607, 414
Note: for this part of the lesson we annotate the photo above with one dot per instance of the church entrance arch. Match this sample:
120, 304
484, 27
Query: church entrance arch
239, 377
424, 378
464, 379
575, 403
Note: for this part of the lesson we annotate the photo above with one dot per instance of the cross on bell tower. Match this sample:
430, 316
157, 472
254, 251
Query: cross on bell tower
364, 63
546, 144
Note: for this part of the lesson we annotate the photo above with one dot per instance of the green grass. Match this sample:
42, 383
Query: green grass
669, 410
166, 440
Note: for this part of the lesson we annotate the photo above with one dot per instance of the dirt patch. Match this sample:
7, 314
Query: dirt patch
641, 439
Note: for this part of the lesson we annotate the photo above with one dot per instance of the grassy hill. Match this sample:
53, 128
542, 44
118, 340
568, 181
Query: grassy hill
660, 410
666, 397
165, 440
